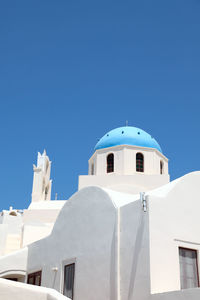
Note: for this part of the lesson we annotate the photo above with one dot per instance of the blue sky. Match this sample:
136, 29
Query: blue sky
72, 70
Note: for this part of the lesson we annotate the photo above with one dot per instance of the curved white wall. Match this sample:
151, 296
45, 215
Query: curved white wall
84, 233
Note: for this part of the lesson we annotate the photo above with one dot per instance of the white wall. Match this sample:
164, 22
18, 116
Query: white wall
14, 263
125, 160
84, 233
134, 252
174, 222
39, 220
32, 233
19, 291
125, 178
111, 241
133, 184
10, 229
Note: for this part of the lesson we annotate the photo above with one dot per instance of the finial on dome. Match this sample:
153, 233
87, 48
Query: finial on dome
126, 122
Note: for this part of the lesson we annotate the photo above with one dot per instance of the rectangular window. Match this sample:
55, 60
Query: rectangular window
69, 280
188, 268
35, 278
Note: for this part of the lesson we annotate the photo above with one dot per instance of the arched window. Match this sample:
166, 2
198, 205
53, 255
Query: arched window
161, 167
46, 192
47, 166
110, 163
13, 213
92, 169
139, 162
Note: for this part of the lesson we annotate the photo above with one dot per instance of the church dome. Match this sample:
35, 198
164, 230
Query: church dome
127, 135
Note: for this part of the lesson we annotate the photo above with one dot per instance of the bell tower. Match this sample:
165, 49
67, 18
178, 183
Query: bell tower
41, 179
127, 159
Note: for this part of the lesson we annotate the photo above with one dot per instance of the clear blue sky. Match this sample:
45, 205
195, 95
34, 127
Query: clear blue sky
72, 70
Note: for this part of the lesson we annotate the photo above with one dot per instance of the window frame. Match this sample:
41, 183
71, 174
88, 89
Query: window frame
161, 167
110, 168
64, 274
136, 159
197, 265
67, 261
92, 169
34, 274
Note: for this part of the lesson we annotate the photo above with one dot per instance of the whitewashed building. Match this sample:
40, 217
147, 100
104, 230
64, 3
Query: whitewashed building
128, 233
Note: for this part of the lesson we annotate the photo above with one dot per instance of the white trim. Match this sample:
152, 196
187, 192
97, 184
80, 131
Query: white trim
187, 242
103, 150
13, 272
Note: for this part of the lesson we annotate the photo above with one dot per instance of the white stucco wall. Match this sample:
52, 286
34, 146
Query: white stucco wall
3, 236
125, 178
189, 294
19, 291
39, 220
120, 251
132, 184
174, 222
125, 160
84, 233
10, 231
14, 263
106, 234
32, 233
134, 252
92, 232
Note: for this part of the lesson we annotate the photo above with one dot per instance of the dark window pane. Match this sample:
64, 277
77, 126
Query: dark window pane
69, 280
35, 278
31, 280
110, 163
92, 169
161, 167
188, 268
139, 162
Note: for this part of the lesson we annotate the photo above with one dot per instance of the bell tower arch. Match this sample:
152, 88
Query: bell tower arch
41, 178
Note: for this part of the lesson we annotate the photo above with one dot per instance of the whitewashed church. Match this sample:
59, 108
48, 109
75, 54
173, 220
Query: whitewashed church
128, 233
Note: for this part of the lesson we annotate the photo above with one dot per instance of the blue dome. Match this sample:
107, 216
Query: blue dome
127, 136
